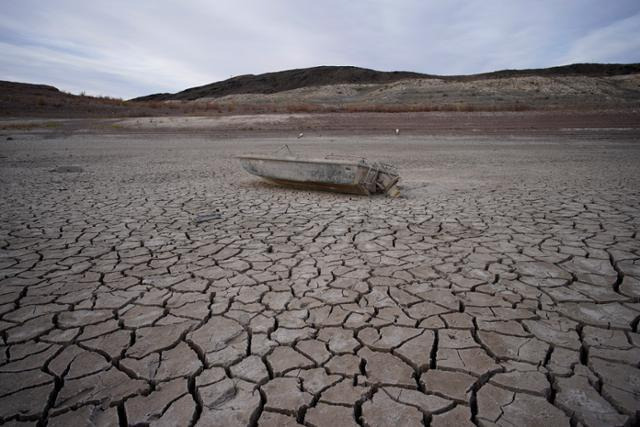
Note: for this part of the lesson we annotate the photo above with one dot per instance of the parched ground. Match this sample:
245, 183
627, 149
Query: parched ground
503, 287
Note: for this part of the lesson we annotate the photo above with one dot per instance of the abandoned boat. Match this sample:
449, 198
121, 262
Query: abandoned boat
333, 173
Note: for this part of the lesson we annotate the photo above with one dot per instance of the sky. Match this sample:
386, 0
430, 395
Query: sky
128, 48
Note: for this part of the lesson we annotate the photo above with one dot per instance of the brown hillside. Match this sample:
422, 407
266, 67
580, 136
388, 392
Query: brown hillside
332, 75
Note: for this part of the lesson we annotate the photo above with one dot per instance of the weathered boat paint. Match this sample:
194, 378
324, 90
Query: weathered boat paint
354, 176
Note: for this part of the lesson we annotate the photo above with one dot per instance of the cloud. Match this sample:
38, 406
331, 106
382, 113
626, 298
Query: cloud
124, 48
616, 42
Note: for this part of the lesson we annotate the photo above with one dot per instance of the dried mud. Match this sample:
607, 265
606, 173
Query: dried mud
502, 288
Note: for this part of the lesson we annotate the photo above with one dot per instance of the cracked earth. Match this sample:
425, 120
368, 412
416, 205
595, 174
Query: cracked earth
503, 288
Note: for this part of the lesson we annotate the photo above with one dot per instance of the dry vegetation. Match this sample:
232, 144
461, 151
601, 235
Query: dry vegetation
426, 95
492, 93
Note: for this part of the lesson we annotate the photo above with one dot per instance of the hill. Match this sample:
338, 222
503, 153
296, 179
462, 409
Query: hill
281, 81
38, 100
352, 89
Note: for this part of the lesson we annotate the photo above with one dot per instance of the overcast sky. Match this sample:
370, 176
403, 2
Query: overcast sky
137, 47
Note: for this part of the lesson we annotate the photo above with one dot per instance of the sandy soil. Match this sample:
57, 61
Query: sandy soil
600, 123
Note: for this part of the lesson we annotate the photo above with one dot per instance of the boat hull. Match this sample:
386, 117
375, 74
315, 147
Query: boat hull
321, 186
344, 176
